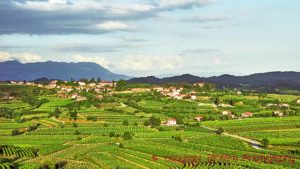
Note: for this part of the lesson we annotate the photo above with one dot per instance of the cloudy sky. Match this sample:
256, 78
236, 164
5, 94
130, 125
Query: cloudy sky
155, 37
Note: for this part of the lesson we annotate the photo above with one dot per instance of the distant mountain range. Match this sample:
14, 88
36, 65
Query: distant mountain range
261, 81
14, 70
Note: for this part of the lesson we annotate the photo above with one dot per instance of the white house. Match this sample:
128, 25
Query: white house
278, 113
247, 114
198, 118
193, 97
171, 122
284, 105
298, 101
81, 83
225, 113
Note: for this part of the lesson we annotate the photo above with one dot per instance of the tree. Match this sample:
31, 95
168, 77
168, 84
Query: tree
74, 125
154, 121
112, 134
121, 85
73, 115
217, 101
265, 142
136, 124
125, 123
146, 123
220, 131
179, 120
105, 124
77, 132
15, 132
127, 135
178, 138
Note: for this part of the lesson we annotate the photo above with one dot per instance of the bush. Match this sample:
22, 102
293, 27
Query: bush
105, 124
91, 118
77, 132
127, 135
74, 125
136, 124
125, 123
15, 132
178, 138
112, 134
220, 131
265, 142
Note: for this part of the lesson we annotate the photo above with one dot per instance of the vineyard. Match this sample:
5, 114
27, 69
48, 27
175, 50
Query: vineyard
127, 130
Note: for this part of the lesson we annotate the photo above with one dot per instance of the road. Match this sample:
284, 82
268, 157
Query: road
255, 144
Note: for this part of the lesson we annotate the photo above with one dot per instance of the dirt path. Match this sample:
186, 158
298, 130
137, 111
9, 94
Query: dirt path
255, 144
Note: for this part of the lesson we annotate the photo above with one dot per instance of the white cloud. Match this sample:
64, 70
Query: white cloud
114, 25
99, 60
22, 57
4, 56
183, 3
218, 61
150, 63
29, 57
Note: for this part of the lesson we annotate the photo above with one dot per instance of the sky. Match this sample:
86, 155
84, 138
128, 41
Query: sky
155, 37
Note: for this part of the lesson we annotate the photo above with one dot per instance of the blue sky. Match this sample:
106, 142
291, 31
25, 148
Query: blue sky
155, 37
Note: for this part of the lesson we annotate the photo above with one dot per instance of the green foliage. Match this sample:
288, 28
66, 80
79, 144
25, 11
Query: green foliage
125, 123
265, 142
154, 121
127, 135
91, 118
220, 131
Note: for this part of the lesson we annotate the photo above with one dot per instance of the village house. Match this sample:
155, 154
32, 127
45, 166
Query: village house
198, 118
158, 89
271, 105
81, 83
171, 122
247, 114
298, 101
225, 113
13, 82
92, 84
278, 113
81, 98
40, 85
74, 96
284, 105
224, 105
99, 97
106, 83
193, 97
62, 95
30, 83
201, 84
51, 86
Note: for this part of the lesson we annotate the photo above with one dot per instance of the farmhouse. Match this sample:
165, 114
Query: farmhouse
278, 113
171, 122
193, 97
198, 118
298, 101
158, 89
284, 105
225, 113
247, 114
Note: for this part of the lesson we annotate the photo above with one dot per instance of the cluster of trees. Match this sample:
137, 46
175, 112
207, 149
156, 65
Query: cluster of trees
153, 122
33, 101
55, 113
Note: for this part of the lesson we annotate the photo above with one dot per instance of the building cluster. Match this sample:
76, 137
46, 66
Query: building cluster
72, 91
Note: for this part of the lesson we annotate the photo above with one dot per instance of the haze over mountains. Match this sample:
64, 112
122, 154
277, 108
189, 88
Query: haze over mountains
14, 70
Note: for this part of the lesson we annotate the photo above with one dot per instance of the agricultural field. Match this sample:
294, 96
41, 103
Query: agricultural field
128, 129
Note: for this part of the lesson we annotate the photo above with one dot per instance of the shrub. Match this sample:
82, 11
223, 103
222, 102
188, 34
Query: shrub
127, 135
125, 123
